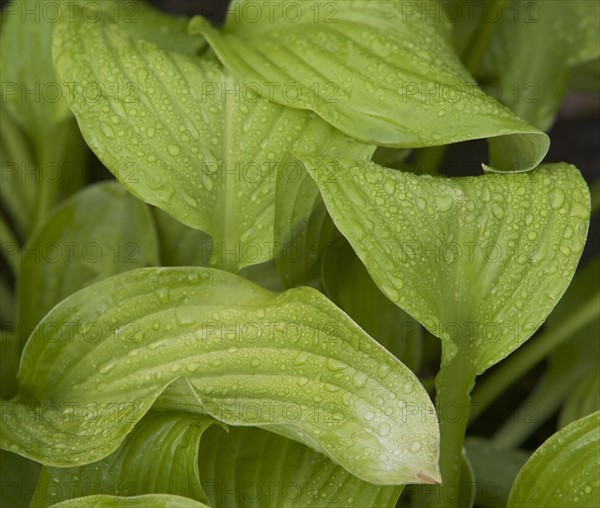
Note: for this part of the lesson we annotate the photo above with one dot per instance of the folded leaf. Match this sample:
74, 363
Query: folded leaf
563, 472
145, 501
479, 261
207, 148
290, 362
160, 456
100, 231
249, 467
376, 70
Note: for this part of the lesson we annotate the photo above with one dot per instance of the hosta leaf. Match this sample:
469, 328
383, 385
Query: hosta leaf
529, 32
18, 476
495, 470
290, 362
180, 245
349, 285
145, 501
373, 71
563, 472
249, 467
479, 261
100, 231
159, 456
206, 148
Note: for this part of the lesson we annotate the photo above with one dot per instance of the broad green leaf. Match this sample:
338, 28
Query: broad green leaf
585, 398
567, 365
159, 456
180, 245
534, 46
479, 261
563, 472
18, 477
249, 467
290, 362
349, 285
100, 231
495, 470
207, 148
371, 69
145, 501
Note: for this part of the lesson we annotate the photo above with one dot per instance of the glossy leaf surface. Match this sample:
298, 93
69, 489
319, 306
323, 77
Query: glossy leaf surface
479, 261
379, 71
290, 362
189, 138
563, 472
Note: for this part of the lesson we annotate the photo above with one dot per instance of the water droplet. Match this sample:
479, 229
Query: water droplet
384, 429
557, 198
107, 130
173, 150
415, 446
300, 358
335, 365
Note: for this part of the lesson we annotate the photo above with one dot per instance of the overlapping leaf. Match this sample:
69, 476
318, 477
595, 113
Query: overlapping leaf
249, 467
144, 501
207, 148
563, 472
379, 71
100, 231
290, 362
160, 456
479, 261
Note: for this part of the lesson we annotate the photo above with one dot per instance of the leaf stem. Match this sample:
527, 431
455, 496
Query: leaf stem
534, 351
454, 383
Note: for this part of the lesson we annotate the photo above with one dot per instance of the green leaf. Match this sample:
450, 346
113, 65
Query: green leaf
160, 455
180, 245
349, 285
563, 472
18, 477
145, 501
290, 362
479, 261
207, 149
371, 70
98, 232
585, 398
531, 32
249, 467
495, 470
